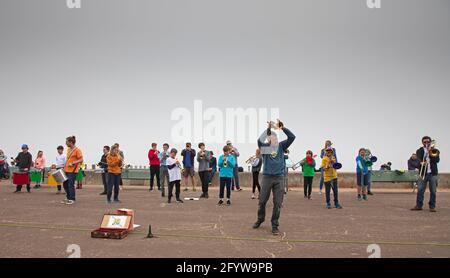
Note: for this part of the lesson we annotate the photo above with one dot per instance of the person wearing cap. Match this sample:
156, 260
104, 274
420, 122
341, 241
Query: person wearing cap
235, 153
330, 178
60, 161
274, 166
23, 162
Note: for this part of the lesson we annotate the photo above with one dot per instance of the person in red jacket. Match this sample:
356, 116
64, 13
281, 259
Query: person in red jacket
154, 166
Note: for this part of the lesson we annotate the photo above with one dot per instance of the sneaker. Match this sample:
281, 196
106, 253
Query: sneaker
369, 193
228, 203
163, 195
416, 208
328, 206
117, 201
70, 202
433, 210
253, 196
17, 191
206, 195
108, 202
309, 197
64, 201
239, 189
103, 193
180, 201
275, 231
365, 198
338, 206
220, 202
320, 192
257, 224
169, 201
151, 189
58, 192
202, 196
359, 198
305, 196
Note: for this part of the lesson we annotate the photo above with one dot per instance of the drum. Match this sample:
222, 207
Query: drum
59, 176
20, 178
51, 180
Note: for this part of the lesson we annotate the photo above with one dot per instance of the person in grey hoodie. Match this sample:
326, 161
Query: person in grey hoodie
273, 172
203, 159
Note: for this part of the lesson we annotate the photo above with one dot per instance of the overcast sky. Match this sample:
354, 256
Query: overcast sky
114, 71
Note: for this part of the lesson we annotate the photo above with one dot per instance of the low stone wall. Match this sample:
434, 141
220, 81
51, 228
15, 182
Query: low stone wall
346, 180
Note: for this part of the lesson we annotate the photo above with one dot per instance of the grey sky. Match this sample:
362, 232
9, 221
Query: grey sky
337, 70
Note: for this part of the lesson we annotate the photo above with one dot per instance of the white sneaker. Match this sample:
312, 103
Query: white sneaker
70, 202
64, 201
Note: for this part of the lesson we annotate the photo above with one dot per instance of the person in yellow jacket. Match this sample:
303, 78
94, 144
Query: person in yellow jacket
330, 178
115, 162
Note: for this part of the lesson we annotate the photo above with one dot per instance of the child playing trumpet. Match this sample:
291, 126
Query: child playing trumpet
330, 178
362, 174
308, 167
226, 174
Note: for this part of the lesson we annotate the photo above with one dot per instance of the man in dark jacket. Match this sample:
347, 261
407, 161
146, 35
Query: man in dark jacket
429, 173
23, 162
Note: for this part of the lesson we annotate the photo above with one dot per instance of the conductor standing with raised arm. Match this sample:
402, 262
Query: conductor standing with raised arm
273, 172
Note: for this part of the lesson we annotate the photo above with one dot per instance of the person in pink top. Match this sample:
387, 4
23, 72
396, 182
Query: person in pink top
39, 163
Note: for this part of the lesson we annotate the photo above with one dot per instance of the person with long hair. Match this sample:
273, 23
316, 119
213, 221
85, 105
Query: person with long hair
256, 169
115, 162
39, 164
72, 167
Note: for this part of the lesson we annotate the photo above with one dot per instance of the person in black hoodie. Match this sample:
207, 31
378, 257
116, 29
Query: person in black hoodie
429, 162
103, 164
23, 162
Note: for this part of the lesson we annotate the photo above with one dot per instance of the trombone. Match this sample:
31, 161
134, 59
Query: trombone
251, 159
432, 152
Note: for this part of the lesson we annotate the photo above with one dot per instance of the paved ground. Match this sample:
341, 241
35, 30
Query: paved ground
36, 225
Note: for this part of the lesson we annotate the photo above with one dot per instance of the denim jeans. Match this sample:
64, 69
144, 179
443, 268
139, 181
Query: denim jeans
332, 185
321, 179
369, 181
113, 183
235, 181
163, 176
211, 175
422, 186
69, 186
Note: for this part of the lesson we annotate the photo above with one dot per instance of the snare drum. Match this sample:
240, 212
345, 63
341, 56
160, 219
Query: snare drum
59, 176
20, 178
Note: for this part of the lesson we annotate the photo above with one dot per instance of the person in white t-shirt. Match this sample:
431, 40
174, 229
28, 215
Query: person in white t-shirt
174, 167
60, 161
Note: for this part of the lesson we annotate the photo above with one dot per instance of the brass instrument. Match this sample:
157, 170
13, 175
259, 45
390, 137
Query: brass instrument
251, 159
432, 152
225, 162
298, 165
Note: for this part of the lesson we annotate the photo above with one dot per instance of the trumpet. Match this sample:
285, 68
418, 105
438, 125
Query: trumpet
225, 162
251, 159
298, 165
